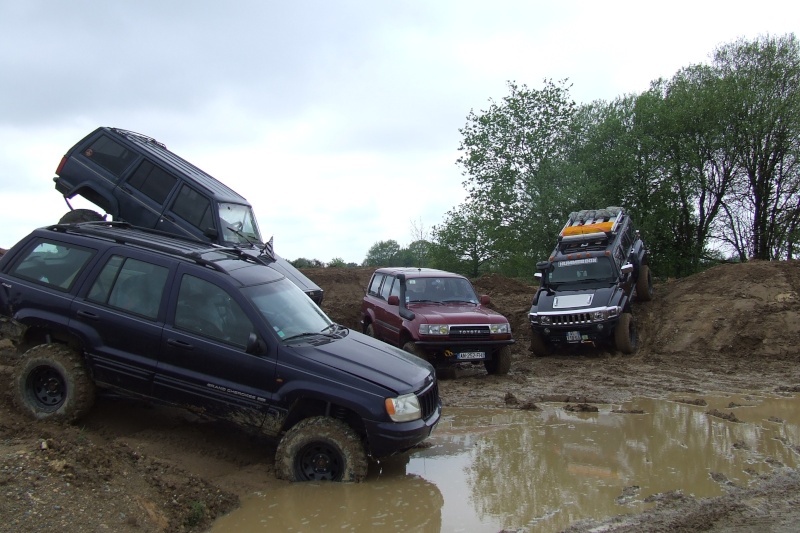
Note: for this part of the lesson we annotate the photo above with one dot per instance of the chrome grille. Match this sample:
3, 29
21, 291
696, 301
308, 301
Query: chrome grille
429, 399
571, 319
469, 332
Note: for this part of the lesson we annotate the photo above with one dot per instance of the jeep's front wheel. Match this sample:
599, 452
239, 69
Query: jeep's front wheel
500, 363
81, 215
644, 284
321, 448
625, 337
51, 382
539, 346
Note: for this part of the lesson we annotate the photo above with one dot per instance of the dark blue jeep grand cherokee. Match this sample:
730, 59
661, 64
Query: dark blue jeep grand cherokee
105, 305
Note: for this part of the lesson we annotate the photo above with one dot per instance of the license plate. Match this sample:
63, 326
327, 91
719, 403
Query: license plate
471, 355
573, 336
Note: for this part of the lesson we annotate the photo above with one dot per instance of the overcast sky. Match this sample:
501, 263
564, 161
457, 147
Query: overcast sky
338, 120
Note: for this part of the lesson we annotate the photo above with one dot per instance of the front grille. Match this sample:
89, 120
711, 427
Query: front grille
571, 319
469, 332
429, 400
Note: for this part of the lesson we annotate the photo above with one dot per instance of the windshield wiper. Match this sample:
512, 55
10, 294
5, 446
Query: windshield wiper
311, 334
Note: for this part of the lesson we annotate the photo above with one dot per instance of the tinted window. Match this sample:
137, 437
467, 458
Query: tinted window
387, 285
375, 284
152, 182
194, 208
110, 155
130, 285
206, 309
54, 264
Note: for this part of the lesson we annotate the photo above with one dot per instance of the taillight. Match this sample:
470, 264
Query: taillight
61, 165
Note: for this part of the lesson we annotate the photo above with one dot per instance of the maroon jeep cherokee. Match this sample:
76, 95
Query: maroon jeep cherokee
437, 316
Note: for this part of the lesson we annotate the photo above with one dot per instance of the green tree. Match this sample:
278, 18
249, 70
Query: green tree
337, 262
382, 253
466, 240
511, 156
762, 91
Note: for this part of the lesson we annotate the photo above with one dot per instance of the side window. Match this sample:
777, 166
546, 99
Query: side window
131, 285
207, 310
395, 289
53, 263
387, 285
110, 155
152, 182
375, 284
194, 208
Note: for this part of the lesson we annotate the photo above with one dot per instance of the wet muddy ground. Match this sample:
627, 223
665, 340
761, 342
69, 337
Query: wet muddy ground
730, 333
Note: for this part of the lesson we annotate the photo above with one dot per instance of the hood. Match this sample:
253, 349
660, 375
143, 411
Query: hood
455, 313
577, 300
371, 360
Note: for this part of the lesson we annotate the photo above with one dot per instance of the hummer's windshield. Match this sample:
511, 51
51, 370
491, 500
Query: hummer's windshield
238, 224
287, 309
581, 270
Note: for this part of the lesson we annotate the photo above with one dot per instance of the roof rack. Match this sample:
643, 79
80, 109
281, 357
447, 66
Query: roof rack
144, 237
591, 224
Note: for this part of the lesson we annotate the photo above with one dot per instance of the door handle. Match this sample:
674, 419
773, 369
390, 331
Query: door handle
87, 314
180, 344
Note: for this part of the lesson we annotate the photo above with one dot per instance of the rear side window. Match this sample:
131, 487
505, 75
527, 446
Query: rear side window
387, 285
131, 285
153, 182
375, 284
110, 155
194, 208
54, 264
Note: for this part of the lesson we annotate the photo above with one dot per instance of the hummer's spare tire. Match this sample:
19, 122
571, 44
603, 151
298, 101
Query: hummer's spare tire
321, 448
51, 382
81, 215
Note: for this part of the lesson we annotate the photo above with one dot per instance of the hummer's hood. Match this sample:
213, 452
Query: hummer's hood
455, 313
577, 300
372, 360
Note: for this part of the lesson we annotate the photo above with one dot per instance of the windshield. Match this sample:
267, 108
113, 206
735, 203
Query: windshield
238, 224
582, 270
441, 290
287, 309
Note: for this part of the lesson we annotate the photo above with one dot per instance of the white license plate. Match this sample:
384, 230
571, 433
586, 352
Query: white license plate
573, 336
471, 355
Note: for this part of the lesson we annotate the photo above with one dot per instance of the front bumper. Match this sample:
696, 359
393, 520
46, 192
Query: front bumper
389, 438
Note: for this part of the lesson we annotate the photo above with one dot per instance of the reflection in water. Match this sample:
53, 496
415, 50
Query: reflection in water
488, 470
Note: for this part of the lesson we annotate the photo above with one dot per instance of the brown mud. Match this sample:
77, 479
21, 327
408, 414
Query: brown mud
132, 466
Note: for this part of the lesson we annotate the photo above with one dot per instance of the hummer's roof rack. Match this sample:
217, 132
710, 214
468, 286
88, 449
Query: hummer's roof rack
591, 224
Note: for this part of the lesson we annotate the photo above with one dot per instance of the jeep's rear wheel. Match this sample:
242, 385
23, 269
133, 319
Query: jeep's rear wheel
51, 382
625, 337
539, 346
321, 448
644, 284
81, 215
500, 363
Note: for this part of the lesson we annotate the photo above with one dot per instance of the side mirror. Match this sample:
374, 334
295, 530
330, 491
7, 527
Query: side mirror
627, 268
211, 233
254, 345
538, 275
394, 300
485, 299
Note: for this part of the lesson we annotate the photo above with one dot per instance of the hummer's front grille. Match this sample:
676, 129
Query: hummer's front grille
571, 319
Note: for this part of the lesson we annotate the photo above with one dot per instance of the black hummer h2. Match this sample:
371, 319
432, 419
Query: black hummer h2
599, 263
134, 178
211, 329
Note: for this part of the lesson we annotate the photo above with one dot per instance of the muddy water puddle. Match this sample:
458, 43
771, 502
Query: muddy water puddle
502, 469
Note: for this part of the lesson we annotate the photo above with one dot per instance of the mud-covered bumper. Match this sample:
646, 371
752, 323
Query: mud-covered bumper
388, 438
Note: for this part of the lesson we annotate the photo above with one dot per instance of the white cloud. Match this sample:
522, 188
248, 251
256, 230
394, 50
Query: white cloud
338, 120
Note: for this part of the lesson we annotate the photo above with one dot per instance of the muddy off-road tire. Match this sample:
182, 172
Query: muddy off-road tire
500, 364
539, 347
321, 448
625, 337
81, 215
644, 284
51, 382
411, 348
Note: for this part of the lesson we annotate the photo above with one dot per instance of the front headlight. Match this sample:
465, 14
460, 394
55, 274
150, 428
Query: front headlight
499, 328
545, 320
434, 329
403, 408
